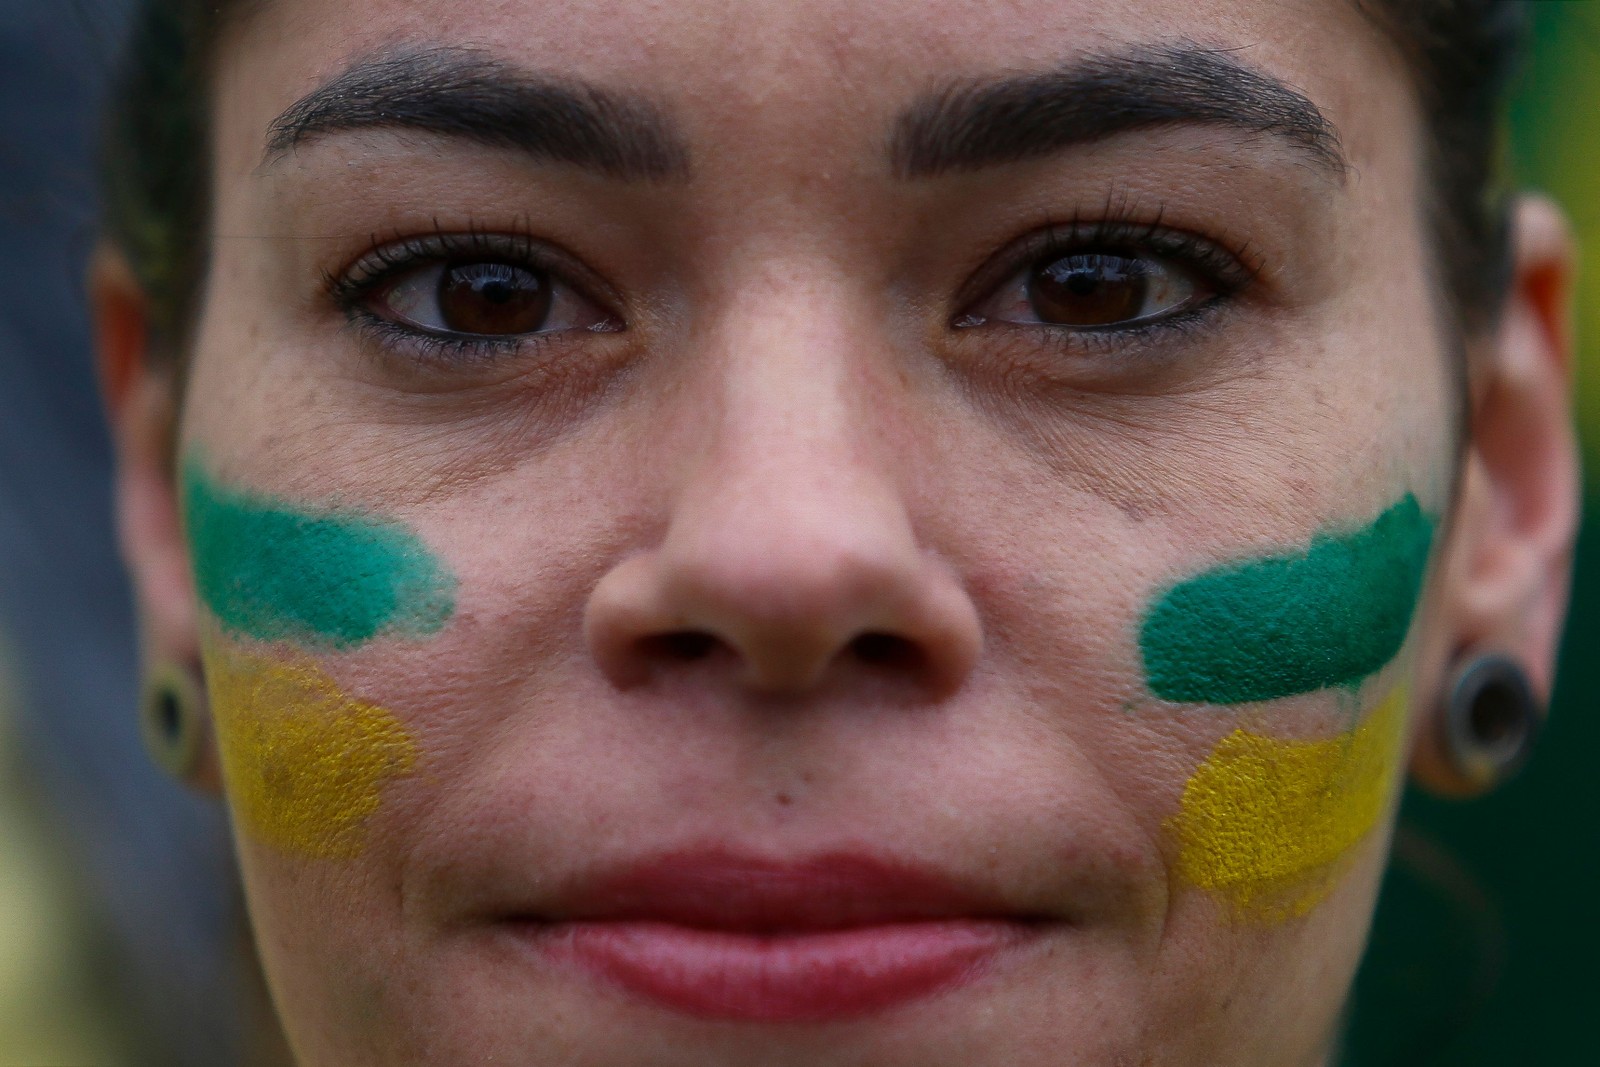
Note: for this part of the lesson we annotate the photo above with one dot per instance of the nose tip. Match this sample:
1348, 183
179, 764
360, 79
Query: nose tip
786, 609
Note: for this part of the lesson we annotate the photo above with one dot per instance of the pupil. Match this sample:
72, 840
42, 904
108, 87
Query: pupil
1082, 283
496, 299
1089, 290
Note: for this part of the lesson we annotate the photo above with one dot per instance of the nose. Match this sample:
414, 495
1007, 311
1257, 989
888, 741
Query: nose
789, 556
791, 588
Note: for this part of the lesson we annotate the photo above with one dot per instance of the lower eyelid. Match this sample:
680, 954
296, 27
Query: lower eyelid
1132, 336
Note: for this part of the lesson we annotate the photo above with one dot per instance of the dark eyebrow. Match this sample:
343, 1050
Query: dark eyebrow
1029, 116
464, 94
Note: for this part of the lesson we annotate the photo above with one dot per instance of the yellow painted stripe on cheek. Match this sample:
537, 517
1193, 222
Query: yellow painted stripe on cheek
304, 763
1266, 823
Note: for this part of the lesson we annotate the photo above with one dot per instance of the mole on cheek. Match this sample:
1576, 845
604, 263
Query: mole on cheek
305, 764
330, 578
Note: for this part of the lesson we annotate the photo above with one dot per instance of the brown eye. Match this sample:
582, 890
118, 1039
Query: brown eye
494, 299
487, 299
1089, 290
1094, 291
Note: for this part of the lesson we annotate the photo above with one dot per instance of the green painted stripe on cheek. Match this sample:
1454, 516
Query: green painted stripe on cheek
270, 570
1269, 628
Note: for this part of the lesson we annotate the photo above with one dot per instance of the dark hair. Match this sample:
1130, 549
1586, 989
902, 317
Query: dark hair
157, 149
156, 158
1462, 55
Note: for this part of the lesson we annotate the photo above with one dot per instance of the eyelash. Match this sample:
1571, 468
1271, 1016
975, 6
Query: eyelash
352, 288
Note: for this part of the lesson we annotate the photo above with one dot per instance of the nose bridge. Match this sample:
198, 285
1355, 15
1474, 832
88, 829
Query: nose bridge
793, 497
790, 424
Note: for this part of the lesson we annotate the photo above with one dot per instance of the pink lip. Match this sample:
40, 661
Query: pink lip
722, 936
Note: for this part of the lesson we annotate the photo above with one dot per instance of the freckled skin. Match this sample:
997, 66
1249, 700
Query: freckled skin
789, 446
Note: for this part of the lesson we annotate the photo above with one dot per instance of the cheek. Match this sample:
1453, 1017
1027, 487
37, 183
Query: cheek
305, 764
1285, 625
272, 571
1268, 824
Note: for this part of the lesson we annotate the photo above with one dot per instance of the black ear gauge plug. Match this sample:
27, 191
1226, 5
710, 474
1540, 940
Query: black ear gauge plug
172, 720
1490, 721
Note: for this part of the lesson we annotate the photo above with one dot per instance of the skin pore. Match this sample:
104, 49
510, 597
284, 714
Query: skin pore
1002, 441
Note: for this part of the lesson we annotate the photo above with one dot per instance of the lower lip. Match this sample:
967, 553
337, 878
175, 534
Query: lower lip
812, 976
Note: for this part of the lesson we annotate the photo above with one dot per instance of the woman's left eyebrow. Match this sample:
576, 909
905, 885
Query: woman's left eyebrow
467, 95
1029, 116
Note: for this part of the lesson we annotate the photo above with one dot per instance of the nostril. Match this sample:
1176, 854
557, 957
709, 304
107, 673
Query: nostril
682, 646
900, 620
885, 650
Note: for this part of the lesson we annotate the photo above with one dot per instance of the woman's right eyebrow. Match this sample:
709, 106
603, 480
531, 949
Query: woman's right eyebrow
463, 93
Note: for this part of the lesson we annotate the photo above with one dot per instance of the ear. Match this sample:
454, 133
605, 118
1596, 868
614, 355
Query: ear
140, 395
1508, 558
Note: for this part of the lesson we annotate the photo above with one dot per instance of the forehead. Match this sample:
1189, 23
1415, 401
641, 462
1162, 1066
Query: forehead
799, 77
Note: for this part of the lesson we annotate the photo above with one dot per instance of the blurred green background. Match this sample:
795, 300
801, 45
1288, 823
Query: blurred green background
1486, 942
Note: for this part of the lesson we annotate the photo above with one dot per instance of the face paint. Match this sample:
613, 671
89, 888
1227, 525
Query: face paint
1266, 823
1268, 628
272, 571
304, 763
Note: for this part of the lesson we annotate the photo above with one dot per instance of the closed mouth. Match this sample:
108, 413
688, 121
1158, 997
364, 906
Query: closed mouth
718, 935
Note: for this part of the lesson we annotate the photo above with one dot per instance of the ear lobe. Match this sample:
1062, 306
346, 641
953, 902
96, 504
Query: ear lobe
1506, 567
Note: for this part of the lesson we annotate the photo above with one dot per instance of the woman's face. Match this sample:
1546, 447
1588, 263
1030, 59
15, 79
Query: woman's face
815, 532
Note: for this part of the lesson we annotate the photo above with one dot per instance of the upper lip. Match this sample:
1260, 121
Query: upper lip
717, 889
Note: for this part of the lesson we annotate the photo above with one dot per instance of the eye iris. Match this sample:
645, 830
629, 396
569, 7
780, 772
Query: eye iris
497, 299
1089, 290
